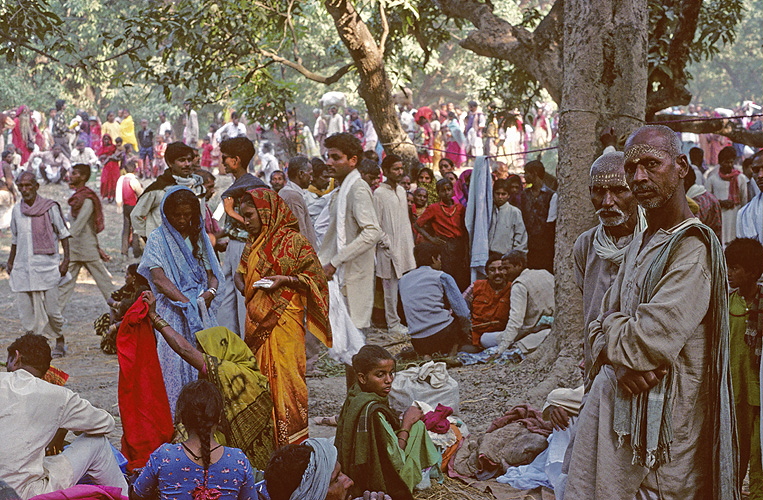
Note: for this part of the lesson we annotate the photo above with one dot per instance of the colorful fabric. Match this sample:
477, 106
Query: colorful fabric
490, 309
231, 366
166, 249
731, 178
44, 241
84, 492
437, 419
56, 376
110, 173
447, 222
431, 188
461, 190
170, 474
276, 321
78, 198
143, 403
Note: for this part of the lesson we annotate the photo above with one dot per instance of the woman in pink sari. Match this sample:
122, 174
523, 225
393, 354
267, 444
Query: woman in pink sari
25, 133
95, 133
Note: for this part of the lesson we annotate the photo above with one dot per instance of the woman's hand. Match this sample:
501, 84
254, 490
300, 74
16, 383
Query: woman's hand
208, 298
149, 299
280, 280
411, 416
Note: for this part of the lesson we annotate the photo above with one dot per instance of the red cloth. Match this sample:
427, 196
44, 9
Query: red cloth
84, 492
526, 415
731, 178
206, 155
78, 198
110, 174
490, 309
143, 404
444, 225
129, 197
437, 419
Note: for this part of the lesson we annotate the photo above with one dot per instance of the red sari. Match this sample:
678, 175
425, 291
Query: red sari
110, 174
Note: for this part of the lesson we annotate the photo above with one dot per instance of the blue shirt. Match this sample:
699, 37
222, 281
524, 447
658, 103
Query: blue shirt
171, 474
428, 296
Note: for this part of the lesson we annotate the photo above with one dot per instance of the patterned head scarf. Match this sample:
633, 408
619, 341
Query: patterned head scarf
317, 476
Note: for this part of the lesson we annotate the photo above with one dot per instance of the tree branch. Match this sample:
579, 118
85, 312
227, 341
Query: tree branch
326, 80
385, 26
732, 129
539, 52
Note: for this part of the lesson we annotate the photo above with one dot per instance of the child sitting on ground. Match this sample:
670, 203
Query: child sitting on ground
107, 325
377, 449
442, 223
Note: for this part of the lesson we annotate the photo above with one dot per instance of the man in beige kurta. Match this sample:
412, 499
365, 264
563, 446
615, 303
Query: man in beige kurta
353, 232
394, 253
84, 250
635, 344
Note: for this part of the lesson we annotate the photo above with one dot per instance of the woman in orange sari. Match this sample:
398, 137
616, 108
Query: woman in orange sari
286, 292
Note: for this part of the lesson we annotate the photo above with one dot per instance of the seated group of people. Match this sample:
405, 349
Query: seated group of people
512, 308
215, 458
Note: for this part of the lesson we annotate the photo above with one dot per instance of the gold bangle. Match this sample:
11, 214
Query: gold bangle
160, 323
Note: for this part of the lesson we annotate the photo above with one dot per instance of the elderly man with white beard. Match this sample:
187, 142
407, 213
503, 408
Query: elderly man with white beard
599, 251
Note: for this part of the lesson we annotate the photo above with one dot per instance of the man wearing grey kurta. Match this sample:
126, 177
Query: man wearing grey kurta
37, 226
599, 251
394, 253
300, 173
84, 250
353, 232
658, 343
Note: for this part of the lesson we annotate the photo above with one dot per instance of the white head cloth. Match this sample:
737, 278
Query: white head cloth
317, 476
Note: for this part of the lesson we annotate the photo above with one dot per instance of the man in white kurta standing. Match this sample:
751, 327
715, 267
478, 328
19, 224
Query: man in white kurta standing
353, 232
729, 185
37, 226
336, 122
394, 253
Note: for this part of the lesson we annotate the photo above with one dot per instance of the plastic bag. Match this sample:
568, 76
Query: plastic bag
429, 383
346, 339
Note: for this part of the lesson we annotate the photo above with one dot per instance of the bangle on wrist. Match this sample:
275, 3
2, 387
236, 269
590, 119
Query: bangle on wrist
213, 291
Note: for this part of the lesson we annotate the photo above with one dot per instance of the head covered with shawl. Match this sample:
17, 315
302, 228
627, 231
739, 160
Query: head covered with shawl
166, 248
430, 186
248, 406
461, 189
281, 473
279, 249
107, 145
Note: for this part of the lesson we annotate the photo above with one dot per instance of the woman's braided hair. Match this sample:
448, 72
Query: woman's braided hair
199, 407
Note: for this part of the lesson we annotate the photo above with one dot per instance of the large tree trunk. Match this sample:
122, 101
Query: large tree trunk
374, 85
604, 85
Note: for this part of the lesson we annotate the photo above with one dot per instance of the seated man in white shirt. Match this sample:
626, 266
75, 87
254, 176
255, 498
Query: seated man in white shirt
54, 165
231, 130
85, 155
31, 414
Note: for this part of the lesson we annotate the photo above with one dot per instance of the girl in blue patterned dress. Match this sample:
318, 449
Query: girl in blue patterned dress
199, 467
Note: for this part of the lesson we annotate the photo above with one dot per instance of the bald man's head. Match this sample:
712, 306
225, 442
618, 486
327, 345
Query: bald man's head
610, 195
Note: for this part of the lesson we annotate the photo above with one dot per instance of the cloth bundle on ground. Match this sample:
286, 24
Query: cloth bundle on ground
369, 451
84, 492
514, 439
437, 419
429, 383
143, 403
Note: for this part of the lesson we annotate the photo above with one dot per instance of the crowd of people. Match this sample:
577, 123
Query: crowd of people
227, 305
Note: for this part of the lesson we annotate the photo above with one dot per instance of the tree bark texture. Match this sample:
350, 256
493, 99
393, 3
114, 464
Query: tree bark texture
604, 84
374, 85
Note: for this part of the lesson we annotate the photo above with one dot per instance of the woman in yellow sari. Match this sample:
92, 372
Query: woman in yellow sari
286, 293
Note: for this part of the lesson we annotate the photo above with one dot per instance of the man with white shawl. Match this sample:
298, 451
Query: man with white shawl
348, 247
599, 251
310, 471
750, 216
658, 420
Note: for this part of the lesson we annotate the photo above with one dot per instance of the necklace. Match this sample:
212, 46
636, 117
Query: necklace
452, 213
194, 455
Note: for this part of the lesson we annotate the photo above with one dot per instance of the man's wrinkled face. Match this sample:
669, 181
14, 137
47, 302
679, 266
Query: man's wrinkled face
614, 202
277, 181
651, 173
28, 186
322, 180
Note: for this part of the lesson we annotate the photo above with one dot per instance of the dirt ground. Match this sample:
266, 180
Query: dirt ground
486, 391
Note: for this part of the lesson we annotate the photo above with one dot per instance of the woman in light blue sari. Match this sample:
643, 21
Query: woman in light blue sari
180, 265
